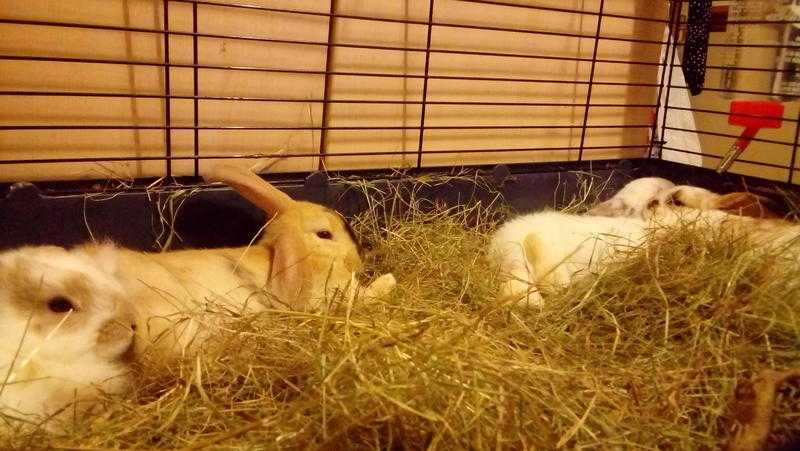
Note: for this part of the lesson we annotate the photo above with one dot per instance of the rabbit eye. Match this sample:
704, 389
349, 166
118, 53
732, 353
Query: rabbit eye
60, 304
325, 235
676, 202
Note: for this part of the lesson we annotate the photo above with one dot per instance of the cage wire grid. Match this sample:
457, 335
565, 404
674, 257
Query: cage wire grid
654, 147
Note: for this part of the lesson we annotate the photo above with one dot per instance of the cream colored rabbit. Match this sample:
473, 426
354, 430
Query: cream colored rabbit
67, 330
307, 252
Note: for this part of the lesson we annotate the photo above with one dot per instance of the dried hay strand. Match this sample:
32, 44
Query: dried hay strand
647, 353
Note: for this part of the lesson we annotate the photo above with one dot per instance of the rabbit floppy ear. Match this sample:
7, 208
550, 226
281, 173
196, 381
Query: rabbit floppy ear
291, 271
251, 187
611, 207
745, 204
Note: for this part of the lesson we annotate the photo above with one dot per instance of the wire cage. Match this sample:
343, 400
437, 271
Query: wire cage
116, 97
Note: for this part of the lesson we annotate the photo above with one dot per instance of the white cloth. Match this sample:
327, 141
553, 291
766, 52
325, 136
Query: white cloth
678, 97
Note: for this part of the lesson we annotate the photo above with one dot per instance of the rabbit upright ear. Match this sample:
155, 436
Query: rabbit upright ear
746, 204
290, 270
251, 187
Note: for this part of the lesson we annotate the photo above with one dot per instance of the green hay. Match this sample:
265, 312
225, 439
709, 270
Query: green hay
645, 355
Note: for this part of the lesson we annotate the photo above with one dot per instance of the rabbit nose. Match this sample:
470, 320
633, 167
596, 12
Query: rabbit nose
117, 334
114, 338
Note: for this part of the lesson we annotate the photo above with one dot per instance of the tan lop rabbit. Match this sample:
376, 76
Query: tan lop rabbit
67, 332
307, 252
742, 213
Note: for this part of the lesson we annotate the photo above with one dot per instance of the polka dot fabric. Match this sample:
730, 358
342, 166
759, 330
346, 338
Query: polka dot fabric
695, 50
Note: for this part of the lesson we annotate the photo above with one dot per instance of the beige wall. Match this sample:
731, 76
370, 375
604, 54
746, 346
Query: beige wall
147, 14
758, 81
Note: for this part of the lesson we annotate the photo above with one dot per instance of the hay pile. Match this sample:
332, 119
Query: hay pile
648, 354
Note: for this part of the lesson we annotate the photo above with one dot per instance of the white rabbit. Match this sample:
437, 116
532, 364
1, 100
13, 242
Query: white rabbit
67, 330
633, 198
306, 253
548, 249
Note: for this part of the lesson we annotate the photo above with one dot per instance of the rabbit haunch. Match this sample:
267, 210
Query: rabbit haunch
307, 253
67, 329
548, 249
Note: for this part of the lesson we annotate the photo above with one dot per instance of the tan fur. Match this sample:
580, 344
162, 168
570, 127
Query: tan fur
738, 203
760, 232
738, 213
174, 293
692, 196
181, 296
745, 204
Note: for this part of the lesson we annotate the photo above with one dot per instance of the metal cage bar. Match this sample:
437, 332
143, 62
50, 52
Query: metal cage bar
658, 141
426, 78
591, 79
321, 43
359, 101
171, 90
323, 136
319, 72
196, 91
676, 23
167, 91
669, 53
314, 154
793, 159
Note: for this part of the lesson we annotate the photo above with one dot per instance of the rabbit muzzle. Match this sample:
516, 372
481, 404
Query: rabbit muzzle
115, 338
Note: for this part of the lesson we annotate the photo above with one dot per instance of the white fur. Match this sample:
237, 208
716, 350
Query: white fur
550, 249
633, 198
49, 366
564, 245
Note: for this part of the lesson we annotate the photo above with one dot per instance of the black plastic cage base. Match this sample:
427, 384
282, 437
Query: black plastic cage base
217, 216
